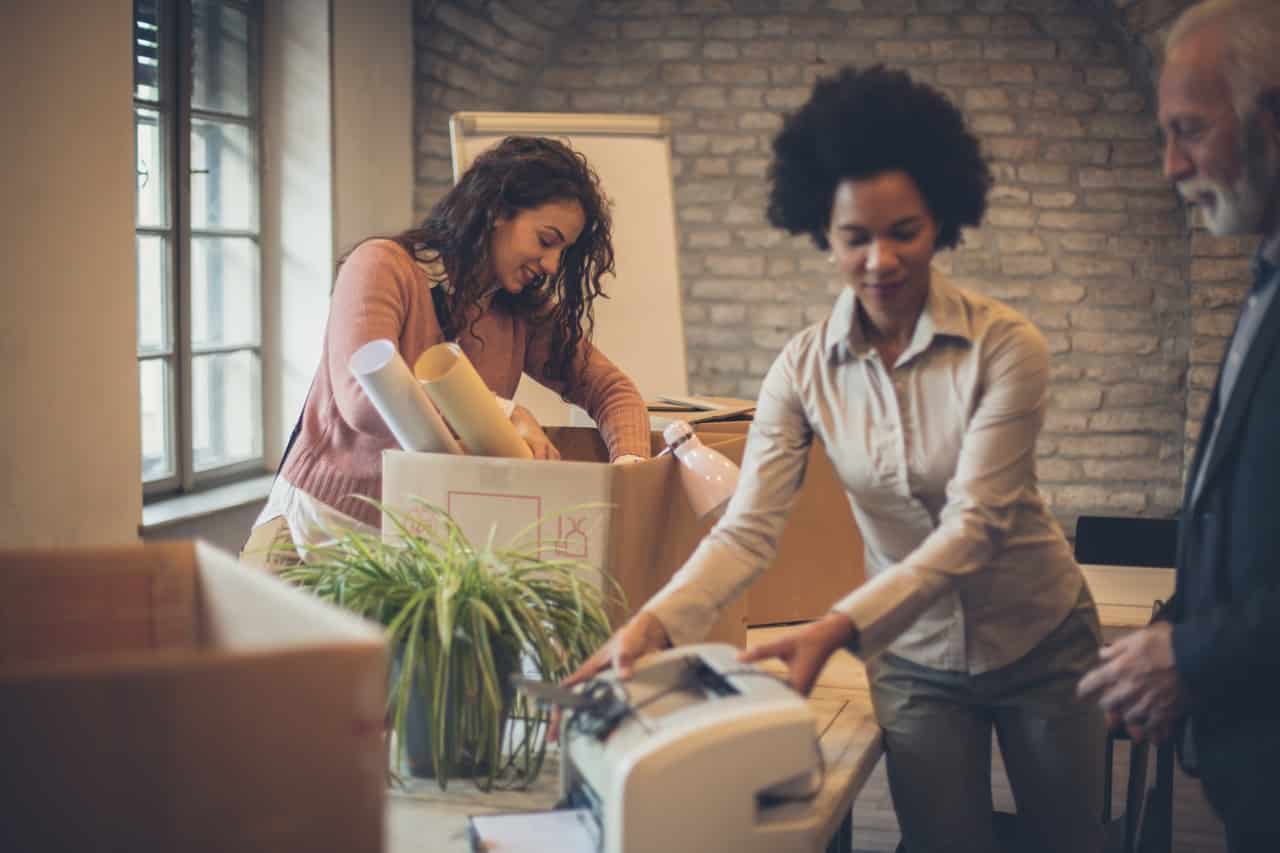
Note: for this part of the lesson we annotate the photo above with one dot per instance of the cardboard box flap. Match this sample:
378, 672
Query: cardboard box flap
242, 610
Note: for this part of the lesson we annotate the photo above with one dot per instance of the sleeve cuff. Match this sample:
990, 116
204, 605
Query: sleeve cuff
685, 620
507, 406
689, 604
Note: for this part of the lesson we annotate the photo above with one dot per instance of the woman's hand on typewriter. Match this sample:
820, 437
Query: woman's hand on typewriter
642, 634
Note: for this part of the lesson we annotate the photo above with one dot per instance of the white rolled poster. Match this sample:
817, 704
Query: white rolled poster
398, 397
467, 403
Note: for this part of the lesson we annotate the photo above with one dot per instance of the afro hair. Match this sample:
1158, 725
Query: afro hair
858, 124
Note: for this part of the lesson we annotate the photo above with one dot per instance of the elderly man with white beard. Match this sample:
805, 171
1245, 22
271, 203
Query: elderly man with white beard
1207, 671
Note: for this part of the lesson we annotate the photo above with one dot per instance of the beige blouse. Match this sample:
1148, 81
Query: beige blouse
967, 569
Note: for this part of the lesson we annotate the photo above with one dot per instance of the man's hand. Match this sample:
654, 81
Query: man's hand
806, 650
531, 431
640, 636
1137, 684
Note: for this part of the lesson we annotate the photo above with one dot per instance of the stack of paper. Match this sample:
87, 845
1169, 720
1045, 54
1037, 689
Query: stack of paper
695, 410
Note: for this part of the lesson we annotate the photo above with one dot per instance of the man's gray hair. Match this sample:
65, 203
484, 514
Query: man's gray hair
1251, 35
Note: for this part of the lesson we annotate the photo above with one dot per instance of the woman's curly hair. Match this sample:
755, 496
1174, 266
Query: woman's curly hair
519, 173
857, 124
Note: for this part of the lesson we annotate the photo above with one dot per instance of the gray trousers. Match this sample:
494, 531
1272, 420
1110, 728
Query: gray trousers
937, 735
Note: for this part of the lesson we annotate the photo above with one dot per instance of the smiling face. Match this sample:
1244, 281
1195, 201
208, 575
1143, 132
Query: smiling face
527, 247
882, 239
1223, 165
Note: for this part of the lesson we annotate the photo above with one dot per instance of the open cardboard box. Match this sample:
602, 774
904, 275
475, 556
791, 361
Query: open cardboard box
632, 522
820, 556
165, 697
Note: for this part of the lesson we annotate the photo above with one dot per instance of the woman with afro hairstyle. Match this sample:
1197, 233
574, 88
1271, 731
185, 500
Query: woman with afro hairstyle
928, 399
508, 265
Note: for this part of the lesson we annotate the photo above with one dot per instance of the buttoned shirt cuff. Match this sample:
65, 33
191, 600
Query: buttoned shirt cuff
883, 608
691, 601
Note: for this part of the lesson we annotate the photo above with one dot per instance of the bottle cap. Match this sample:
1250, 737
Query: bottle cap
677, 432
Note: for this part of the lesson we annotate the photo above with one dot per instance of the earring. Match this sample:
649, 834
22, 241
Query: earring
831, 258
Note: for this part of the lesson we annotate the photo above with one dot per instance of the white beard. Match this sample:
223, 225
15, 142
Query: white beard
1242, 207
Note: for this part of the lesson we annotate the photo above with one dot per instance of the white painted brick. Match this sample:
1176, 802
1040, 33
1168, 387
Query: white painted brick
1011, 73
1068, 293
1048, 173
1104, 344
1026, 265
1054, 200
1110, 320
1096, 267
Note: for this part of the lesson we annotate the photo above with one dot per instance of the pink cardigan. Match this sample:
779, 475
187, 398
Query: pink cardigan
381, 292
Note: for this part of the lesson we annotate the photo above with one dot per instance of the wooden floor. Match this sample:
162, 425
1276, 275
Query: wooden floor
875, 827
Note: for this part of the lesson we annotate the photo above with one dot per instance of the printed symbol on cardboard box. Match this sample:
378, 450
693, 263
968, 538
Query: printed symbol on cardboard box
504, 516
572, 540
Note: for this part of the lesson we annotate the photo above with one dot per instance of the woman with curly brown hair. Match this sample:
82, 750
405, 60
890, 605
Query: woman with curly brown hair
928, 398
508, 265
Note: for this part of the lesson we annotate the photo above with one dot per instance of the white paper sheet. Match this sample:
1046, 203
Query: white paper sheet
398, 397
561, 830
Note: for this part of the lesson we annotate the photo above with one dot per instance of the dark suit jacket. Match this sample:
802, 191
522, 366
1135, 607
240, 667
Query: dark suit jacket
1226, 607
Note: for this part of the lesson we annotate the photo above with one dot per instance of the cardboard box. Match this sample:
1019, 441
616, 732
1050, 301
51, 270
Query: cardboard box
820, 556
630, 521
164, 697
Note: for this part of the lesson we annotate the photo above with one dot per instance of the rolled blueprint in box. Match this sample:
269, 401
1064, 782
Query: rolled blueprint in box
398, 397
467, 403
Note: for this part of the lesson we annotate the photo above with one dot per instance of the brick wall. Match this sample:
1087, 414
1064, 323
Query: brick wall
1083, 234
474, 56
1218, 273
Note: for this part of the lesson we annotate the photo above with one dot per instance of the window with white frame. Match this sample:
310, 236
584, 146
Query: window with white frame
196, 116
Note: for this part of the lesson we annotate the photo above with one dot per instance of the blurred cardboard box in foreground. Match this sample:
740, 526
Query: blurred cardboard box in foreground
165, 697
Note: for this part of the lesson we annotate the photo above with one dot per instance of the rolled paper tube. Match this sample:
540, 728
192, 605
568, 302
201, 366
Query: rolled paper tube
398, 397
467, 403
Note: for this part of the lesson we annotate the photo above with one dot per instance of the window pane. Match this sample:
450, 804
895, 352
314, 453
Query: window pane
153, 296
224, 292
156, 384
223, 182
220, 66
146, 49
152, 174
226, 406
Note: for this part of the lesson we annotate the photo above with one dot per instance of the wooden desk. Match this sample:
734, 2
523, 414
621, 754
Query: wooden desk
423, 817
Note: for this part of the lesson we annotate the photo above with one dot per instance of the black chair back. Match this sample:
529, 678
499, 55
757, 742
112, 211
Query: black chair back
1119, 541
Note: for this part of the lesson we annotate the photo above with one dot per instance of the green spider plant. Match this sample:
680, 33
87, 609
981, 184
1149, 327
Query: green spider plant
460, 619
